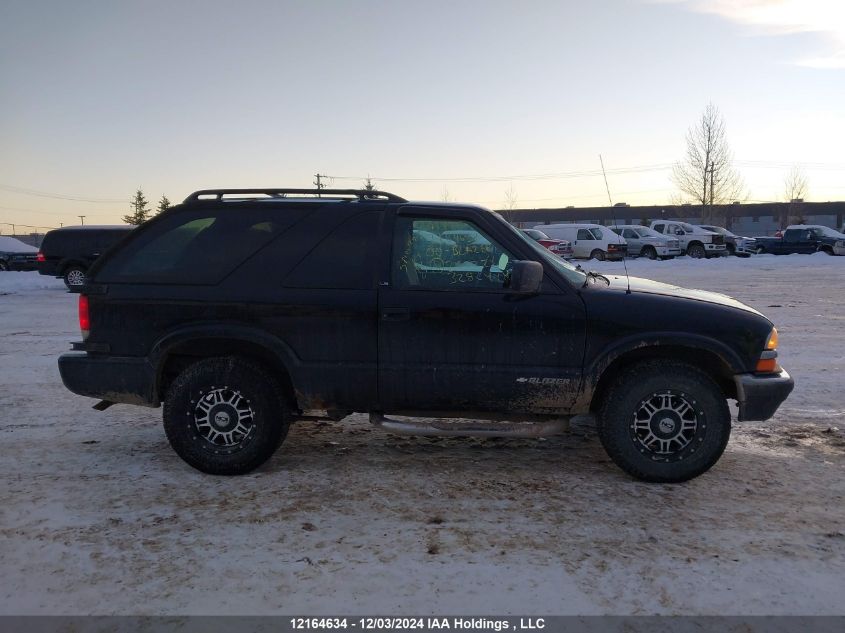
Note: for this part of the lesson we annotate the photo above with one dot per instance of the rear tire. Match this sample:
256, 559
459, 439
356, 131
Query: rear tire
3, 266
225, 416
598, 254
74, 277
697, 251
664, 422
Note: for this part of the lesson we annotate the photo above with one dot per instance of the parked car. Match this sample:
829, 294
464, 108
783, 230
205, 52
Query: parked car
695, 241
561, 248
736, 245
645, 242
589, 241
803, 238
16, 255
242, 316
70, 251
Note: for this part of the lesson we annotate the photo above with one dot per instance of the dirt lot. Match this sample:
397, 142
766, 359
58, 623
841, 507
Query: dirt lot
98, 515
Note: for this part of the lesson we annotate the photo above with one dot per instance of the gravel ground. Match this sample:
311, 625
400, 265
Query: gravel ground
99, 516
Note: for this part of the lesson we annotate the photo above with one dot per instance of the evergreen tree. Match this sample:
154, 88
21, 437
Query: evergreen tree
163, 205
140, 212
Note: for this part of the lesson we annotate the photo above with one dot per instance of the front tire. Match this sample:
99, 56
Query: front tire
664, 422
3, 266
697, 251
650, 252
225, 416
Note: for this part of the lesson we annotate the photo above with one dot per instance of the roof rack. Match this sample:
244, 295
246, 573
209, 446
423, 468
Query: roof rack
360, 194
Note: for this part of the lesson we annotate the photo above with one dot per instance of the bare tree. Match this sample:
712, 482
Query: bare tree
706, 174
447, 197
368, 185
794, 190
509, 204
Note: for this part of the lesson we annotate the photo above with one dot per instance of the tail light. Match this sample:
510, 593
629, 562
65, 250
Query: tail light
40, 257
84, 318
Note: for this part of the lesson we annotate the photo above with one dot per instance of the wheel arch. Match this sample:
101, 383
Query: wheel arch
176, 350
69, 262
717, 360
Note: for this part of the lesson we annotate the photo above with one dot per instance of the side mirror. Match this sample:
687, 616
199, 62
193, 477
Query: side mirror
525, 277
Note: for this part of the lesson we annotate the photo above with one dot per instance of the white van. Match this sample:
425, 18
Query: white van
589, 241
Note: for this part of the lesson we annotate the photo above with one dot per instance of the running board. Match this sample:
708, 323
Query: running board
472, 429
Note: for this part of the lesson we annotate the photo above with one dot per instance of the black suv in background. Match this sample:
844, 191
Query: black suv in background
70, 251
245, 310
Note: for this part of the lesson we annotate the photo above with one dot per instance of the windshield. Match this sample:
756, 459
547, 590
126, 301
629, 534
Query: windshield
569, 271
689, 228
535, 234
646, 232
829, 232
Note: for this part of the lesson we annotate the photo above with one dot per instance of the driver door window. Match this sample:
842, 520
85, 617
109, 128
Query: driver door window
584, 234
441, 254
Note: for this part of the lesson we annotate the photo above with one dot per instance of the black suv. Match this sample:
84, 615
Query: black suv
69, 252
245, 310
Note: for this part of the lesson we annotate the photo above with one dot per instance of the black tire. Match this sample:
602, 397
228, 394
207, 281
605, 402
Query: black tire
3, 266
598, 254
760, 250
697, 251
200, 410
731, 249
74, 277
643, 403
649, 251
827, 250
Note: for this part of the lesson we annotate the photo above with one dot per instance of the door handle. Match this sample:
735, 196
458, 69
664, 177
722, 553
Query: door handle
395, 314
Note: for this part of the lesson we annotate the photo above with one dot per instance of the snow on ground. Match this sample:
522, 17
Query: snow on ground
98, 515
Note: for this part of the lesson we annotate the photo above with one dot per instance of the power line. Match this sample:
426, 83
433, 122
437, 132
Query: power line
59, 196
544, 176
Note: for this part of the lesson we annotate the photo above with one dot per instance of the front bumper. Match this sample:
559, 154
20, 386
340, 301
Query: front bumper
715, 249
759, 395
125, 379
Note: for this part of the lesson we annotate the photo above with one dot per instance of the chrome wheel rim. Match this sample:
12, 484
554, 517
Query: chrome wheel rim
224, 417
665, 425
76, 277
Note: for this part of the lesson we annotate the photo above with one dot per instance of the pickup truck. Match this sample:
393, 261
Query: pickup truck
695, 241
244, 314
803, 239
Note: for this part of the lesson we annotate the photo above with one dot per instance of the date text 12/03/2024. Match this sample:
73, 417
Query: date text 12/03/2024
419, 624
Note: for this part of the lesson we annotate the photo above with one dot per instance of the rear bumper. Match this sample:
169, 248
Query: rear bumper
122, 379
759, 396
21, 266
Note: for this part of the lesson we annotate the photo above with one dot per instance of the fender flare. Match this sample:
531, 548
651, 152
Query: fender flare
617, 349
160, 350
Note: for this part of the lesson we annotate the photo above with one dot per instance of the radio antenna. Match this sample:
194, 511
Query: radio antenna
610, 200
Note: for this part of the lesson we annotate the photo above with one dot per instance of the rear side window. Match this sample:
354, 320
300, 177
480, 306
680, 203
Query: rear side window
198, 247
584, 234
344, 259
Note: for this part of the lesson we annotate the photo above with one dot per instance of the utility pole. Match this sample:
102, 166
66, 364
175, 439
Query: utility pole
319, 182
82, 219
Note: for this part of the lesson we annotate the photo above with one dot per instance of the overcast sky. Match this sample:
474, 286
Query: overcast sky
100, 98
